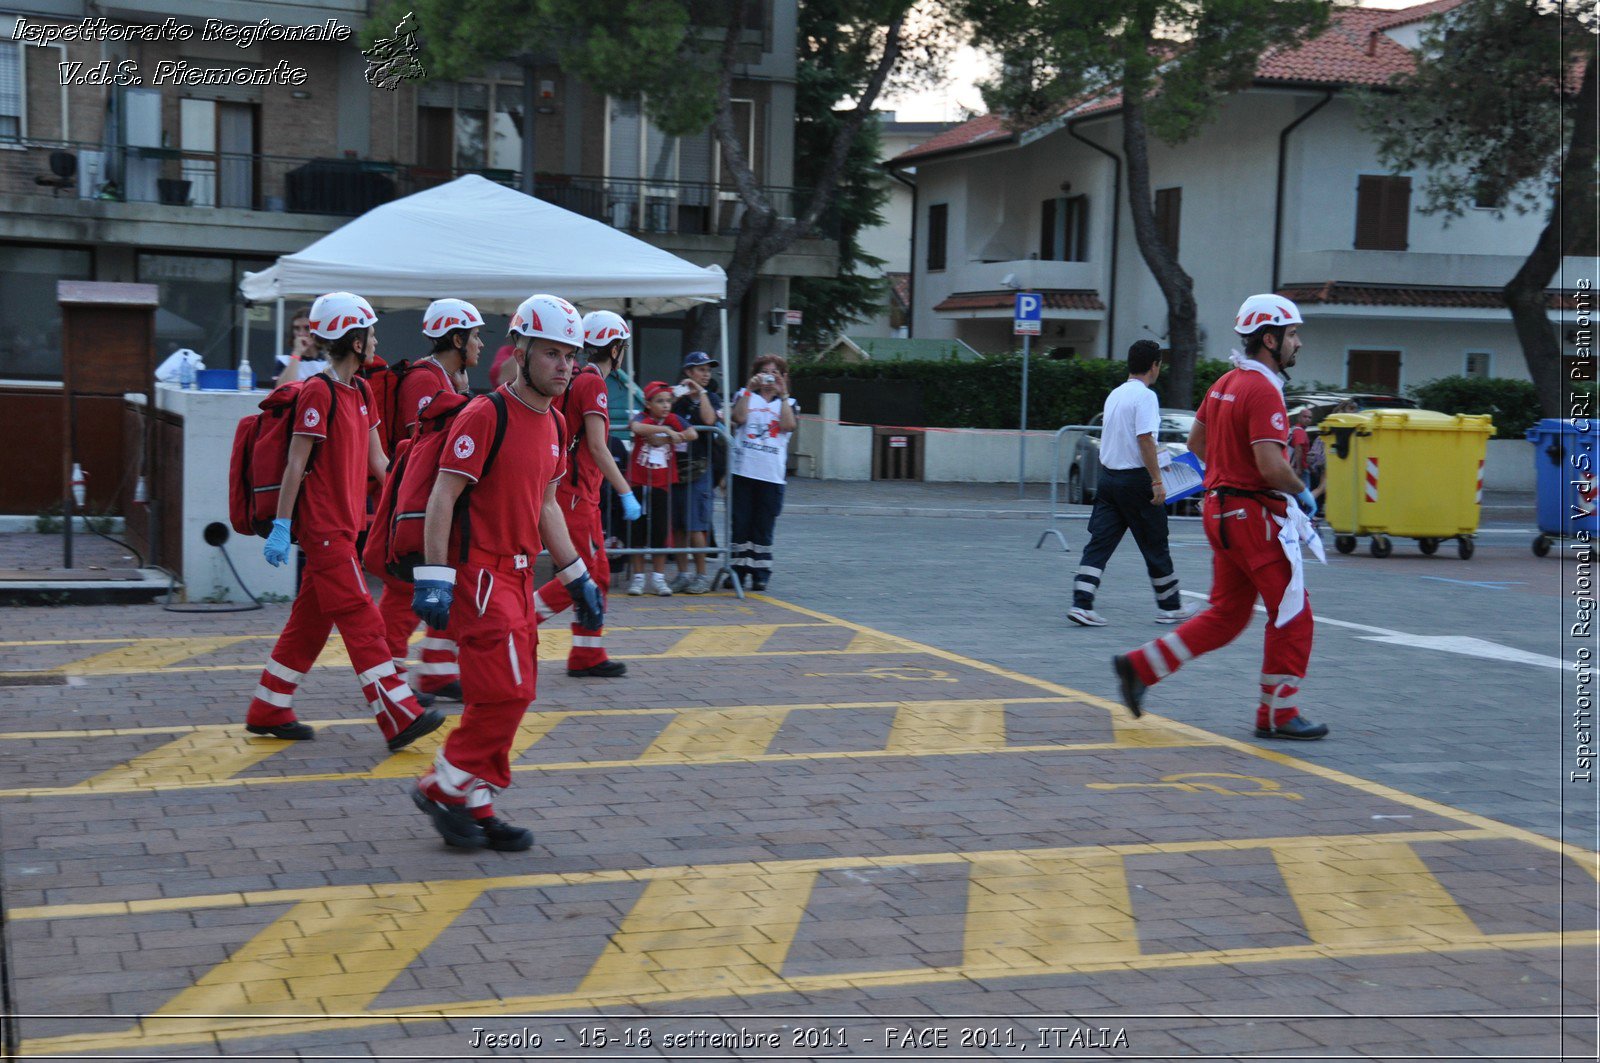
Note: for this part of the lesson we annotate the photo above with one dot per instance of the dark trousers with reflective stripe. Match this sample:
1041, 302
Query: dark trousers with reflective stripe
1122, 504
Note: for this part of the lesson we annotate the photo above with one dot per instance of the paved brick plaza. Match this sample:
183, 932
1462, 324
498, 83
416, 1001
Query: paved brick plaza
792, 817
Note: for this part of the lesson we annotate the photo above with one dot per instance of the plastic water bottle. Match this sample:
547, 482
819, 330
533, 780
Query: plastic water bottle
186, 375
247, 376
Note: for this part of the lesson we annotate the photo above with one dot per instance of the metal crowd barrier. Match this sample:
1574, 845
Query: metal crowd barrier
1056, 513
617, 529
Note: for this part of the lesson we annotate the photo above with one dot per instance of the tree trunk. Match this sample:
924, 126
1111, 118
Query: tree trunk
1176, 285
1572, 212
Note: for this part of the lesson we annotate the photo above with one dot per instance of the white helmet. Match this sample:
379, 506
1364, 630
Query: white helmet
548, 317
1268, 309
446, 315
336, 313
601, 328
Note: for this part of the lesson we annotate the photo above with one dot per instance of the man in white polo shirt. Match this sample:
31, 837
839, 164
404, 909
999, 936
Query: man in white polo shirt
1130, 496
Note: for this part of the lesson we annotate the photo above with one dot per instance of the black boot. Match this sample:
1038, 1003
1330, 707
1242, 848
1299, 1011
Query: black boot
1128, 680
427, 723
294, 731
453, 822
603, 670
451, 691
505, 837
1296, 728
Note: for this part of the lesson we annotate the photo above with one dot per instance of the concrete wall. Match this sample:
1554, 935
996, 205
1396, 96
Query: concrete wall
971, 455
827, 450
1508, 466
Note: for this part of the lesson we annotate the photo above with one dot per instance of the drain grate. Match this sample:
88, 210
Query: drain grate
32, 679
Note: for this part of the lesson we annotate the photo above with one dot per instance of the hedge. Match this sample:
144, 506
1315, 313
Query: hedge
985, 393
1514, 404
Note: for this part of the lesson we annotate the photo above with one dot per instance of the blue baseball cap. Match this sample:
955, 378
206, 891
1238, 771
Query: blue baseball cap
694, 358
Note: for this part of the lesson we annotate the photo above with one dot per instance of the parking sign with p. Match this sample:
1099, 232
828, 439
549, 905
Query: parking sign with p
1026, 317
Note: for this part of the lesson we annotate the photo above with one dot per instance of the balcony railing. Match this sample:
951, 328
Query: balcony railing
347, 187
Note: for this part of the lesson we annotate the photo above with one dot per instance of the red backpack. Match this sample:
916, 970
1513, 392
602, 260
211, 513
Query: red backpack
261, 453
375, 556
410, 484
385, 383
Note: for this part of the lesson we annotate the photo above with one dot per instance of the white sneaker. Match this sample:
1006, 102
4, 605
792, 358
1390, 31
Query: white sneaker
1176, 616
658, 585
680, 582
636, 583
701, 584
1086, 617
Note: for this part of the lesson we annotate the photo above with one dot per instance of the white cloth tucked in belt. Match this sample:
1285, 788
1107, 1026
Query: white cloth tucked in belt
1294, 529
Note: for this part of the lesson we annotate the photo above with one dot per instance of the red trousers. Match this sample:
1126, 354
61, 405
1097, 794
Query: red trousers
438, 668
333, 593
1247, 563
494, 626
589, 539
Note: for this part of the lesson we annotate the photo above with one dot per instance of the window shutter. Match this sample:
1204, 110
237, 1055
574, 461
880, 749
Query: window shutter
1383, 212
1047, 232
938, 218
1169, 212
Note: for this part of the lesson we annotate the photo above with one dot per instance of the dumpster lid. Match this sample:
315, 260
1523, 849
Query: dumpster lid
1415, 420
1571, 426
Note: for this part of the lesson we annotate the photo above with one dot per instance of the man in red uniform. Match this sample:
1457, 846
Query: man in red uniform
588, 419
505, 454
1241, 432
323, 497
454, 326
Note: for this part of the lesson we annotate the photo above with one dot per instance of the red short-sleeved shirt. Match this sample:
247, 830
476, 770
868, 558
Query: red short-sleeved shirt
425, 380
655, 464
1241, 409
504, 507
332, 501
585, 398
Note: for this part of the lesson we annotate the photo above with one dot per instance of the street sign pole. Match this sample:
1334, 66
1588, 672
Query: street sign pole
1026, 322
1022, 443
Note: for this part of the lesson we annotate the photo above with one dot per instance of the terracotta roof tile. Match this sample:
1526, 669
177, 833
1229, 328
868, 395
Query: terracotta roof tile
1342, 293
1353, 50
1054, 299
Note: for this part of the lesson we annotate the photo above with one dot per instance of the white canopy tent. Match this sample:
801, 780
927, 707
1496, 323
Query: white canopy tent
494, 246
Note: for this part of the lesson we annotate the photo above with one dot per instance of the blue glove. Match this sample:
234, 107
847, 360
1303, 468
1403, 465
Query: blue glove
631, 510
1308, 503
435, 590
276, 550
588, 605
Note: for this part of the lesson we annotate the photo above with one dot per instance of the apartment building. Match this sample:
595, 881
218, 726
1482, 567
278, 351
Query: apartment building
237, 145
1283, 191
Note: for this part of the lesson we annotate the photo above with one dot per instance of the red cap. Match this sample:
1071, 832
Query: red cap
654, 388
500, 357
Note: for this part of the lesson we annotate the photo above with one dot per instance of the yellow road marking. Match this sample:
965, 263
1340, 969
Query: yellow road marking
203, 758
1027, 912
416, 637
929, 726
725, 930
716, 932
250, 898
716, 734
1370, 893
331, 956
1153, 724
148, 656
721, 641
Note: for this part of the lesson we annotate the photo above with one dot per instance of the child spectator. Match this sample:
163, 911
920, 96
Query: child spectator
652, 470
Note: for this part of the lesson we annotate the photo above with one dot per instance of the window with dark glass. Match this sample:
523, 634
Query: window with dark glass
1063, 229
1169, 210
938, 225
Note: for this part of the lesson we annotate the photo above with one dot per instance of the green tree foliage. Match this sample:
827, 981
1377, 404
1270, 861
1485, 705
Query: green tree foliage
682, 57
1514, 404
1502, 110
1172, 62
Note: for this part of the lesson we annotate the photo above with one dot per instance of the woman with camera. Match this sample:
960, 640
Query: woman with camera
763, 419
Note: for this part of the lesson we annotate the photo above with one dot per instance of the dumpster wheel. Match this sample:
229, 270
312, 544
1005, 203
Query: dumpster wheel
1465, 547
1381, 546
1428, 546
1345, 544
1541, 546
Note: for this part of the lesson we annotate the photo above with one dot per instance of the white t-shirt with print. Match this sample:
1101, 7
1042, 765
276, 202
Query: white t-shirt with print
760, 447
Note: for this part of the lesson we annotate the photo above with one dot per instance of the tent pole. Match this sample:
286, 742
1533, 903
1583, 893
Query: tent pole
244, 337
278, 338
633, 344
726, 368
